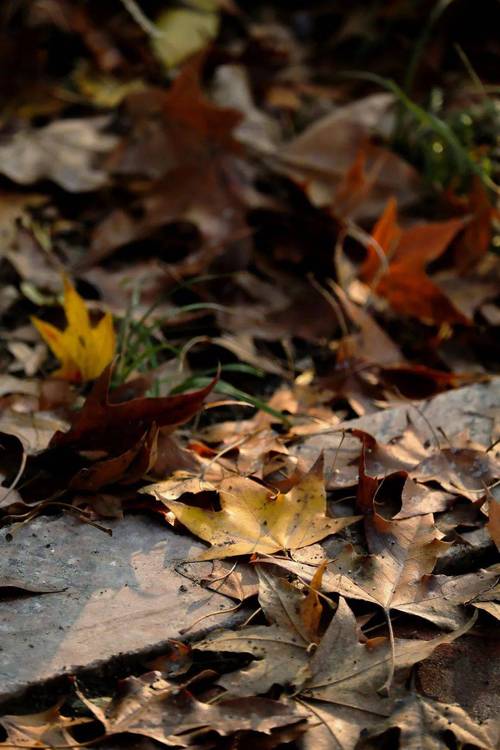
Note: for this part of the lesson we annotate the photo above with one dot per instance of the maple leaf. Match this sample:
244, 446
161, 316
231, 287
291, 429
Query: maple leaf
253, 520
395, 579
152, 707
489, 600
47, 728
424, 723
82, 349
279, 649
114, 427
404, 283
342, 673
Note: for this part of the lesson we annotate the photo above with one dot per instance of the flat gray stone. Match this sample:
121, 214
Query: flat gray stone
474, 408
122, 596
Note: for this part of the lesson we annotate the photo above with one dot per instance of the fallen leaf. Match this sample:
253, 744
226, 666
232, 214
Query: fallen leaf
279, 649
424, 724
152, 707
101, 425
476, 238
399, 578
489, 601
325, 151
45, 729
82, 349
63, 151
252, 520
493, 524
464, 471
343, 673
236, 581
404, 282
181, 32
311, 608
184, 143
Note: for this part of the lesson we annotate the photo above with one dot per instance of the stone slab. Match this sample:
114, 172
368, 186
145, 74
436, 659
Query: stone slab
122, 596
474, 408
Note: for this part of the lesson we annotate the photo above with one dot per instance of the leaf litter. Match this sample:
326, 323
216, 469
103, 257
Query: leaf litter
252, 248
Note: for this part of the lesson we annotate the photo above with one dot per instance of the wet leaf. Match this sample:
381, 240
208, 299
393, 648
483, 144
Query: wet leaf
82, 349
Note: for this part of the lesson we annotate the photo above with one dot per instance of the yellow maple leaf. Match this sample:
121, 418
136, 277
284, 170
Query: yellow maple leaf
252, 520
83, 350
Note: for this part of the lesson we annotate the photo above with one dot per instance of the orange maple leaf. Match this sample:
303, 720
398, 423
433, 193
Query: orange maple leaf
404, 282
82, 349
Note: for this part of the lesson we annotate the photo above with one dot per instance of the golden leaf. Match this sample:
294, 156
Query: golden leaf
83, 350
253, 520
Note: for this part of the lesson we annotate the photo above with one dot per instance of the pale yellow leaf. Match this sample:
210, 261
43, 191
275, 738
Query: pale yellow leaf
252, 519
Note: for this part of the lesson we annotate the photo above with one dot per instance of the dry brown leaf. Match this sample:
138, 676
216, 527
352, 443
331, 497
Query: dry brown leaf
239, 581
395, 580
279, 649
489, 601
323, 154
152, 707
311, 608
45, 729
63, 151
493, 524
252, 520
424, 723
343, 675
465, 471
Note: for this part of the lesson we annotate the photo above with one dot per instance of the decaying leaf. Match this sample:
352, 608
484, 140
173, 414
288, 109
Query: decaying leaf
252, 520
342, 675
279, 649
152, 707
424, 723
45, 729
82, 349
63, 151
